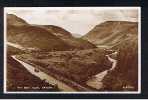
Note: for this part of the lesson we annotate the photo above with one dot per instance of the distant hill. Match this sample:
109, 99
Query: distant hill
111, 33
46, 37
77, 43
57, 31
34, 37
77, 35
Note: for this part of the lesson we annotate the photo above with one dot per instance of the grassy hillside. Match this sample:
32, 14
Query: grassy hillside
57, 31
12, 50
111, 33
73, 60
14, 20
125, 75
18, 78
34, 37
75, 65
42, 37
76, 43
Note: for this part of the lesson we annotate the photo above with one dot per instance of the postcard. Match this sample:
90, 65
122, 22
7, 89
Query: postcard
72, 50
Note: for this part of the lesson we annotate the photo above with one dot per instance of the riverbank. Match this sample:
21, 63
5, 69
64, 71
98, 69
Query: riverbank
96, 80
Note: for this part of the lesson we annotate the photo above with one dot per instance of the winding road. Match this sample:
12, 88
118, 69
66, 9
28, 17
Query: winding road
95, 81
16, 45
43, 76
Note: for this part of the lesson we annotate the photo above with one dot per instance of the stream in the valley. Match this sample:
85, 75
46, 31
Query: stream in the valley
96, 81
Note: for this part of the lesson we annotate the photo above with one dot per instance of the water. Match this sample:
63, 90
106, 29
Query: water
96, 81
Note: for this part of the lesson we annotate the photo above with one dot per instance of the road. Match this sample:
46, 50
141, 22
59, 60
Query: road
16, 45
20, 47
44, 76
95, 82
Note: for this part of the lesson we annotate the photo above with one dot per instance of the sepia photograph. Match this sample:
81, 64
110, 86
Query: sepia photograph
72, 50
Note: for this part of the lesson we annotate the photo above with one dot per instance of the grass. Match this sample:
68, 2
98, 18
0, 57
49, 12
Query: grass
77, 66
18, 77
125, 75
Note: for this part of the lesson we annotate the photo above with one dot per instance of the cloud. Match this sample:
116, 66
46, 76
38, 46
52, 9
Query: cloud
78, 21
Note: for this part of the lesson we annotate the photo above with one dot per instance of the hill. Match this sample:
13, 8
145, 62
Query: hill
14, 20
111, 33
77, 43
78, 65
125, 75
35, 38
42, 37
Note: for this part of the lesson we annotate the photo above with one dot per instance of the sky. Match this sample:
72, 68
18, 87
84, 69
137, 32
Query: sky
77, 20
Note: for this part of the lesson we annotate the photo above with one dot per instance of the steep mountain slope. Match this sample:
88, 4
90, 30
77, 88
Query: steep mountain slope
46, 37
57, 31
121, 36
111, 33
35, 38
14, 20
125, 75
77, 43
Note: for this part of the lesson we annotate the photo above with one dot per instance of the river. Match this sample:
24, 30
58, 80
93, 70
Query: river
96, 81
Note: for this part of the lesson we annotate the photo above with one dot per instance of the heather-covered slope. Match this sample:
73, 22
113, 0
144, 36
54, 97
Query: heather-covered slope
77, 43
14, 20
122, 37
111, 33
76, 60
18, 77
125, 75
42, 37
35, 38
78, 65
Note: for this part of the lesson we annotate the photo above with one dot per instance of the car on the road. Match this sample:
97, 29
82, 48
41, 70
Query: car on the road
36, 70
